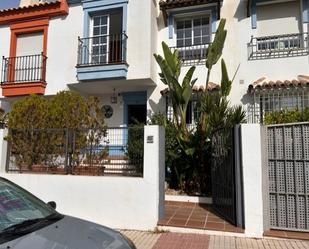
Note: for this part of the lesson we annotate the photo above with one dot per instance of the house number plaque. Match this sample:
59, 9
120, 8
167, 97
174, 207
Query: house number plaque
149, 139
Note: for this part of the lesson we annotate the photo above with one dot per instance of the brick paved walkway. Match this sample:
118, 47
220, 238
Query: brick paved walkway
148, 240
192, 215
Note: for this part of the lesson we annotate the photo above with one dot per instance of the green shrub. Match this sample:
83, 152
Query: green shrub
40, 127
135, 146
31, 112
286, 116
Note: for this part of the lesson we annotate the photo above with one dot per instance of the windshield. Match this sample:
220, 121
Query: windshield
18, 206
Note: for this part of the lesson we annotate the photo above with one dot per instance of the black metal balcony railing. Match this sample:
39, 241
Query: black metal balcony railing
192, 55
278, 46
101, 50
22, 69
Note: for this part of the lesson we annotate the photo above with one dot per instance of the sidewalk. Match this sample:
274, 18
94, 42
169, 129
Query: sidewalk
148, 240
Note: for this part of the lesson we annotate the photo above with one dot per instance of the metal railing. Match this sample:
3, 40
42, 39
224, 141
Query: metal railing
23, 69
192, 55
91, 152
102, 50
278, 46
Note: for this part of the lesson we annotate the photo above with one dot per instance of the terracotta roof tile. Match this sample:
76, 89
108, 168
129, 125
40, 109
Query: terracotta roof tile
264, 83
30, 6
211, 87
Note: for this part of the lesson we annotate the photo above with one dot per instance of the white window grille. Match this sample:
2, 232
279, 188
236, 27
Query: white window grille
276, 99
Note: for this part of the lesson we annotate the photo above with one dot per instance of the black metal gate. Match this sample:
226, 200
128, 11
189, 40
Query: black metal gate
226, 176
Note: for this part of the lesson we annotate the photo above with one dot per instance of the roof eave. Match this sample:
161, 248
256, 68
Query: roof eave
35, 11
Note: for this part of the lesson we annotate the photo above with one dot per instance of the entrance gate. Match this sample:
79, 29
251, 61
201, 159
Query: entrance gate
226, 175
288, 174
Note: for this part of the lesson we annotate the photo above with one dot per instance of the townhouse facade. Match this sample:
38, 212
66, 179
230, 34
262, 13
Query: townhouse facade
105, 48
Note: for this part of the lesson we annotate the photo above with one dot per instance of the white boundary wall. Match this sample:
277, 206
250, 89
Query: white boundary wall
252, 179
117, 202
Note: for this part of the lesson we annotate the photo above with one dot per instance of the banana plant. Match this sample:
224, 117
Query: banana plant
214, 51
180, 93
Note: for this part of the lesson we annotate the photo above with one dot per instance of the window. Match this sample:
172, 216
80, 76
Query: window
277, 100
193, 35
100, 39
194, 31
192, 115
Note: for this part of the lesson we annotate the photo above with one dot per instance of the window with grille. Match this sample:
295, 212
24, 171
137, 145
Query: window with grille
192, 115
192, 36
276, 100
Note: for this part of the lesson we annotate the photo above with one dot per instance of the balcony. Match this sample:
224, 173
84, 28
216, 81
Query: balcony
192, 55
23, 75
102, 57
278, 46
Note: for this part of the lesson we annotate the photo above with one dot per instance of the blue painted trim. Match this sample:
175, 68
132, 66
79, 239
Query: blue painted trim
74, 1
305, 11
102, 72
114, 150
98, 3
253, 14
93, 6
132, 98
214, 18
173, 14
170, 26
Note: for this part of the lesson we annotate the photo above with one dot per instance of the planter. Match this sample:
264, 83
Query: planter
88, 170
43, 169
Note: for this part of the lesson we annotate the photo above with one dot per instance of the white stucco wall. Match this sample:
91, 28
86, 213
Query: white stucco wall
62, 49
117, 202
139, 39
5, 38
252, 179
146, 31
117, 118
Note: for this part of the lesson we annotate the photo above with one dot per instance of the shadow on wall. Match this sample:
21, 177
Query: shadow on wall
160, 21
155, 107
248, 103
241, 10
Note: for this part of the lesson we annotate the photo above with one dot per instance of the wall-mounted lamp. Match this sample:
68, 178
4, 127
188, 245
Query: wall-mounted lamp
114, 97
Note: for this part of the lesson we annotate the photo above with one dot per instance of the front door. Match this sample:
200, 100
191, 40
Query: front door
136, 114
106, 41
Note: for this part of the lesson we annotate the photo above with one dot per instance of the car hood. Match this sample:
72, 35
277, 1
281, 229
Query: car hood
70, 233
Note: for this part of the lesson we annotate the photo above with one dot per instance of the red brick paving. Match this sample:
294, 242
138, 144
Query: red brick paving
182, 241
193, 215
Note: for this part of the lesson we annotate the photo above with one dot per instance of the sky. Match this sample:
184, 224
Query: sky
4, 4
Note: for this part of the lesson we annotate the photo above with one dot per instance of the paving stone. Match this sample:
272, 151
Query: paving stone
149, 240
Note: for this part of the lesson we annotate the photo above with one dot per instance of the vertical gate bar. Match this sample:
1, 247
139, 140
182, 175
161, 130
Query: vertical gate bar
8, 152
238, 177
66, 150
295, 182
232, 151
276, 174
265, 176
285, 175
304, 178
